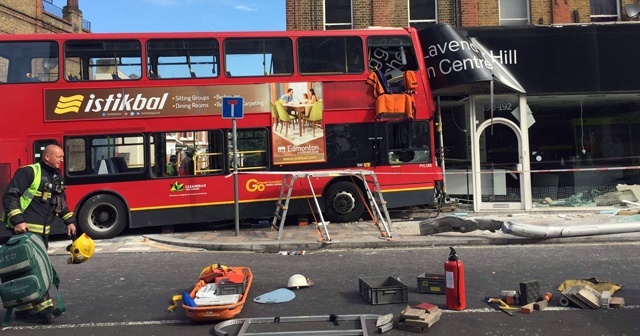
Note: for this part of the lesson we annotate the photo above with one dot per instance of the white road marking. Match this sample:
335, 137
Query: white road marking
96, 325
491, 310
187, 321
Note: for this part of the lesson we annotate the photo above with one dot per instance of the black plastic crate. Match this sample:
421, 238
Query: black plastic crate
431, 283
224, 287
383, 290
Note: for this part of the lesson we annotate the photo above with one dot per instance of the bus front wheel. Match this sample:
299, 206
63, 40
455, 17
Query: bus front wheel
343, 202
102, 217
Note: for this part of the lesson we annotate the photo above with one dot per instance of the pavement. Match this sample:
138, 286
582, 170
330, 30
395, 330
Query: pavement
405, 233
364, 234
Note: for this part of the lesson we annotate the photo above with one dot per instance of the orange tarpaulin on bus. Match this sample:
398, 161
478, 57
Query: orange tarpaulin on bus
395, 105
390, 105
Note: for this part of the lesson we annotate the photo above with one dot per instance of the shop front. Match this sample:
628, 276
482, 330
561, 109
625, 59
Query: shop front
559, 129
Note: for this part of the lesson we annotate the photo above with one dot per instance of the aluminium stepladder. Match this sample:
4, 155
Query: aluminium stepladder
377, 202
308, 325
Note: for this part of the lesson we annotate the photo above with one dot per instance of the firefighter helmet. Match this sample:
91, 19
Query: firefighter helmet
298, 280
81, 249
190, 150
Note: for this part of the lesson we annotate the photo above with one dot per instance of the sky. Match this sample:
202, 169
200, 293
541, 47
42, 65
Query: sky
125, 16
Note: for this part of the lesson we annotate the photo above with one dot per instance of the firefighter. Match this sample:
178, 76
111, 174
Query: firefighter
172, 166
34, 197
187, 166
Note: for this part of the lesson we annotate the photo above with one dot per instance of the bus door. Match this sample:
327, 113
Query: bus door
37, 145
13, 155
10, 160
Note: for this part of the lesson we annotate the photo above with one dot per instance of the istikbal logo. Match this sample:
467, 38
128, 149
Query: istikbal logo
69, 104
112, 103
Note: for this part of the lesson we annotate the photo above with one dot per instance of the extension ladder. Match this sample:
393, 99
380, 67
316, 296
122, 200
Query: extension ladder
378, 210
326, 325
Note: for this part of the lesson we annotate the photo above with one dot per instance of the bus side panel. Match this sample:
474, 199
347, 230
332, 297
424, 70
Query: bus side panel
212, 213
10, 156
5, 176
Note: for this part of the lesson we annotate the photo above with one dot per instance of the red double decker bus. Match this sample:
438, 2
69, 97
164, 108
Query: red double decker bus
125, 107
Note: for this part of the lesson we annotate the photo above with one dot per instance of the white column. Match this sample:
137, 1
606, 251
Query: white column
525, 187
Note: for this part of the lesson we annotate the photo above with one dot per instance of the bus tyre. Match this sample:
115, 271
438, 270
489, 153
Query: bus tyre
343, 202
102, 216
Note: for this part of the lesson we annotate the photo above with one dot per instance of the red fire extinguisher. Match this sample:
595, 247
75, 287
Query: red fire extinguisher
454, 277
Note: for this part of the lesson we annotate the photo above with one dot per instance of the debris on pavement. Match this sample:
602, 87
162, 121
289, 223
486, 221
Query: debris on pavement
464, 225
302, 252
384, 323
457, 224
589, 294
419, 320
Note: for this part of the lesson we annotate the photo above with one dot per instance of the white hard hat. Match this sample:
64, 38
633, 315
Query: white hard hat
299, 280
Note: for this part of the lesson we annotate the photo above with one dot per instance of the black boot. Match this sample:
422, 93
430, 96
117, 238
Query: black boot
46, 315
24, 314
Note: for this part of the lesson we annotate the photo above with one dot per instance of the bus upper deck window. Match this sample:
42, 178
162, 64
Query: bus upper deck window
183, 58
88, 60
392, 56
258, 57
28, 62
331, 55
394, 52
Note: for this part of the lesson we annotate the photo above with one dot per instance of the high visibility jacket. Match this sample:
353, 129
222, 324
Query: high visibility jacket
28, 199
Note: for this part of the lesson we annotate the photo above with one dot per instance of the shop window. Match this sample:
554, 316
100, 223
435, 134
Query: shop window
422, 13
514, 12
338, 14
604, 10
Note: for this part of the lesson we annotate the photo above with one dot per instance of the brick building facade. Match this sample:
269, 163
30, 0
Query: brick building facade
310, 14
30, 17
573, 106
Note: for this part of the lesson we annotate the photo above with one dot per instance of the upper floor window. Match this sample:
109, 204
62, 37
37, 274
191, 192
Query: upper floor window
605, 10
514, 12
338, 14
422, 13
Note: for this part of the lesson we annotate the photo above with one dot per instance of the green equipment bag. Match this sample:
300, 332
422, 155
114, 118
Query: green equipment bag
25, 271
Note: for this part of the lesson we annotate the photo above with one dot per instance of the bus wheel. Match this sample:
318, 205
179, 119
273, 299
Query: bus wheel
102, 217
343, 202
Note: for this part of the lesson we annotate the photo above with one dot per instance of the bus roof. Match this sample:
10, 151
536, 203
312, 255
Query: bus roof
292, 33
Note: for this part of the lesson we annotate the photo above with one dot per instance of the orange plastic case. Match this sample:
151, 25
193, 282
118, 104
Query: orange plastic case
219, 312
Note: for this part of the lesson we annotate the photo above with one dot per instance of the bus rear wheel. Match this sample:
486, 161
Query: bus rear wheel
102, 216
343, 202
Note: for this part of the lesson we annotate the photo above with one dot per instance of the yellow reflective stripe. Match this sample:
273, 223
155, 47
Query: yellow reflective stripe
30, 193
67, 216
28, 306
43, 305
38, 193
37, 228
14, 212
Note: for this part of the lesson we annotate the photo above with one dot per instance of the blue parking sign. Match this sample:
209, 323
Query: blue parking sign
232, 107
